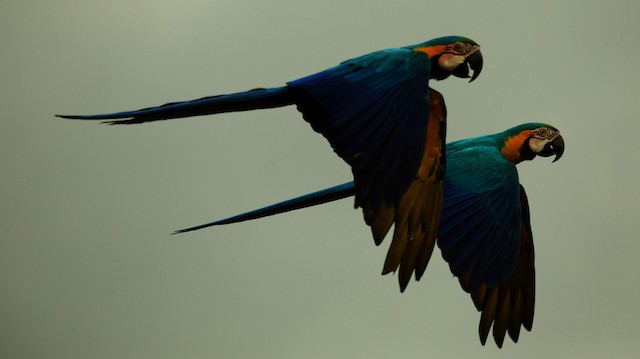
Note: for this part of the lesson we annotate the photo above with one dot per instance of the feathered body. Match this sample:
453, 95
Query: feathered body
373, 109
381, 117
484, 233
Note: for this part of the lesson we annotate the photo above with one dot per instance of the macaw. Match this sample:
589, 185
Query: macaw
380, 116
485, 231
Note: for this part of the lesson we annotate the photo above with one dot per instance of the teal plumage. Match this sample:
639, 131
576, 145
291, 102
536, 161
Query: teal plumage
481, 208
485, 231
380, 116
380, 126
372, 109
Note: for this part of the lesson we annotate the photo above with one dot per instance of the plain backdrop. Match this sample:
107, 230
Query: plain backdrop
88, 268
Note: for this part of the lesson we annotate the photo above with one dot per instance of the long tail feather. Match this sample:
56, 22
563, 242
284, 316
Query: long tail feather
308, 200
242, 101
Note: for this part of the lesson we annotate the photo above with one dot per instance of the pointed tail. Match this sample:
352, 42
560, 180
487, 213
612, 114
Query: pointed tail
242, 101
308, 200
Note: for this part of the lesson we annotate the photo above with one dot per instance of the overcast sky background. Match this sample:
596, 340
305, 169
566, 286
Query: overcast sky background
88, 268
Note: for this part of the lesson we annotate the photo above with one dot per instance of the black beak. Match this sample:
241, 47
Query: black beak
473, 61
555, 147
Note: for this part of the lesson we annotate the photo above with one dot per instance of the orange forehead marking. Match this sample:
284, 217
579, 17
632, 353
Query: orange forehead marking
431, 51
511, 148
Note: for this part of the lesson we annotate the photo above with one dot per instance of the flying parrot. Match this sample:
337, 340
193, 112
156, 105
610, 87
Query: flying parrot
379, 114
485, 231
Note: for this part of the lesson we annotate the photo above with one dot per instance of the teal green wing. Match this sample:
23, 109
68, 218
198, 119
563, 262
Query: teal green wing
485, 236
481, 216
511, 303
374, 111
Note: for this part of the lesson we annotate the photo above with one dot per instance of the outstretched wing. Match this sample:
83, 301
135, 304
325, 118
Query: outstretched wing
485, 236
480, 225
510, 304
374, 111
416, 214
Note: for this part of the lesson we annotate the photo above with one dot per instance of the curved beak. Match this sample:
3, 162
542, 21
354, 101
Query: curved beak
473, 61
555, 147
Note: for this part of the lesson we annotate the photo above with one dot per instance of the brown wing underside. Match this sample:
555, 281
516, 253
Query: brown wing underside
416, 215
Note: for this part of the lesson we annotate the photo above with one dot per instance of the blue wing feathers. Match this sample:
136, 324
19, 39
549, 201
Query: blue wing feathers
480, 223
378, 106
456, 226
384, 91
375, 134
465, 252
479, 226
354, 132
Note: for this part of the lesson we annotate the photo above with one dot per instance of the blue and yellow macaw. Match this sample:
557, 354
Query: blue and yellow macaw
380, 115
485, 231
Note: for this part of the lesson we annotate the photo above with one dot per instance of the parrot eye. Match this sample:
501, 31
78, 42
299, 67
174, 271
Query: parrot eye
543, 131
457, 47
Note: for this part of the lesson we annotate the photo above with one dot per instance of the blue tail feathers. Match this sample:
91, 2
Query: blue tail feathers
308, 200
242, 101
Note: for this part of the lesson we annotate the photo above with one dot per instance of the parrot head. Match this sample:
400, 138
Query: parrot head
529, 140
453, 55
546, 141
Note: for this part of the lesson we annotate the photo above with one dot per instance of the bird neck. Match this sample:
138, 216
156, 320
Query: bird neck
432, 50
515, 147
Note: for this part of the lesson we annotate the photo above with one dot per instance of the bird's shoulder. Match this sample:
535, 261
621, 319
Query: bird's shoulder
479, 163
397, 60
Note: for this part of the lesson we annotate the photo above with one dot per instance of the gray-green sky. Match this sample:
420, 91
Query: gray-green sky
88, 268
